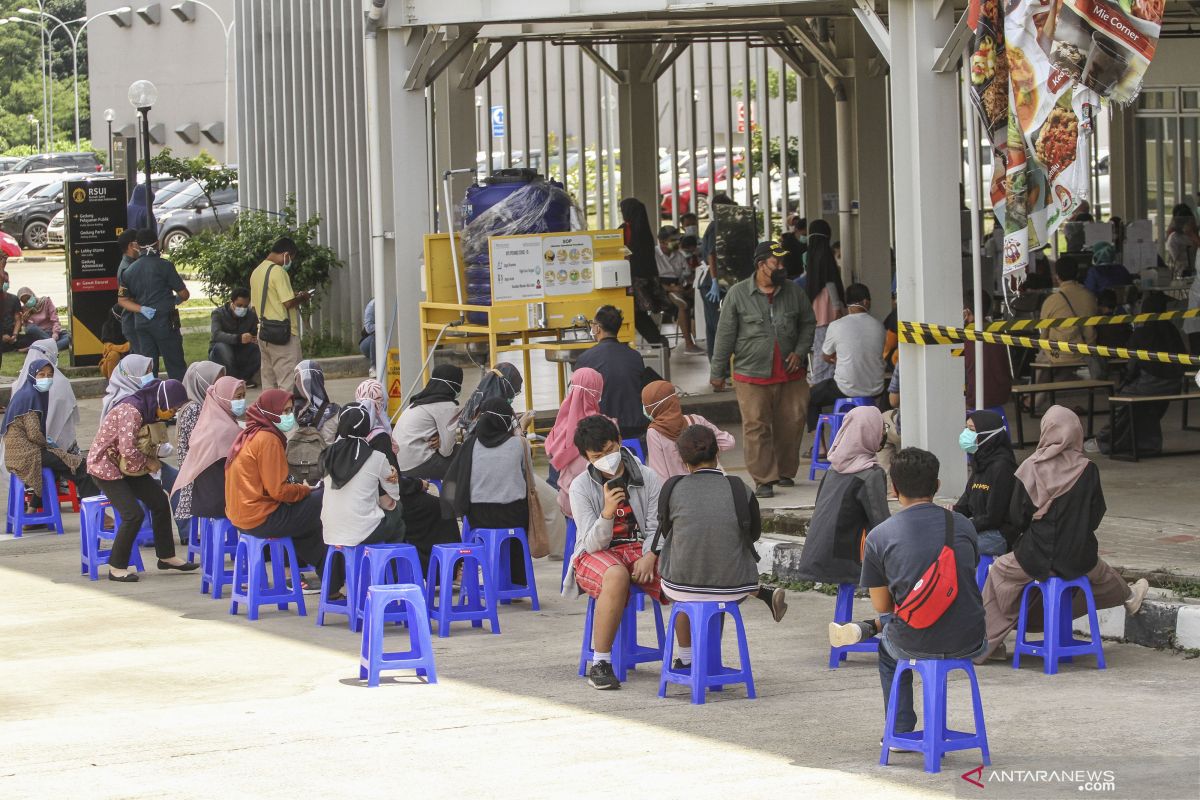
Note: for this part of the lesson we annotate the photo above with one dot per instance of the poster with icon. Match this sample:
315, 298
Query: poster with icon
567, 264
516, 267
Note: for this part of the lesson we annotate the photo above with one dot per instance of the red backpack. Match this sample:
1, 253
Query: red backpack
937, 588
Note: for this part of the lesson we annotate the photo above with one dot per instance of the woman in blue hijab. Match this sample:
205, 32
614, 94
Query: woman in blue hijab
137, 216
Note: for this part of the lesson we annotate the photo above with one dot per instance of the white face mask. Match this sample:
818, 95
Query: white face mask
240, 311
608, 464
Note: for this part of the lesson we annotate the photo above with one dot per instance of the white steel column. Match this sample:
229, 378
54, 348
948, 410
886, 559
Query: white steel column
926, 150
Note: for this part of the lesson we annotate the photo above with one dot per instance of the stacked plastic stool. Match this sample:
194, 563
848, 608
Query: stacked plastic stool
68, 493
18, 517
707, 670
830, 424
477, 597
92, 534
419, 657
843, 612
568, 548
253, 587
981, 570
219, 543
498, 544
386, 565
627, 653
1058, 642
937, 738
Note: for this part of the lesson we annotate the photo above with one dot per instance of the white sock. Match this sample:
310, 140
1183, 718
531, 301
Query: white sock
598, 657
684, 654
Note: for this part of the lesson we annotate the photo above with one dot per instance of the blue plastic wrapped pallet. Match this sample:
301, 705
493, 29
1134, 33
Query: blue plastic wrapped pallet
509, 202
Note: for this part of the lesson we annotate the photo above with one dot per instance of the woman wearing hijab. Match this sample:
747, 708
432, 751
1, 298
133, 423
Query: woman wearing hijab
62, 418
660, 403
133, 372
259, 500
1057, 505
121, 460
502, 381
851, 500
41, 315
200, 484
314, 409
825, 293
426, 433
200, 376
137, 216
1105, 273
371, 396
990, 483
583, 400
28, 448
648, 294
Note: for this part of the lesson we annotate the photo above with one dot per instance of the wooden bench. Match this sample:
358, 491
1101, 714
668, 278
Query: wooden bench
1054, 389
1131, 401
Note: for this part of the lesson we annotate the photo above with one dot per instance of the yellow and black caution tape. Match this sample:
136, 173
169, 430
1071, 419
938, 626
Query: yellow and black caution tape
1087, 322
924, 333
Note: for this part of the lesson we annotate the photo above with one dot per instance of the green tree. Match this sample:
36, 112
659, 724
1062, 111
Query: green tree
772, 86
21, 87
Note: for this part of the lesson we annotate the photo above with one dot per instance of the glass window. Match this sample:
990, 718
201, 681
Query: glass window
1157, 99
1191, 98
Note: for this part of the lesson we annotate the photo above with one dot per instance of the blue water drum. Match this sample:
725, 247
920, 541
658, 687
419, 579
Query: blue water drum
544, 208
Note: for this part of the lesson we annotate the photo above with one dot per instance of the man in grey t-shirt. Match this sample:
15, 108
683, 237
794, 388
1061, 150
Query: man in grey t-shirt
898, 551
854, 345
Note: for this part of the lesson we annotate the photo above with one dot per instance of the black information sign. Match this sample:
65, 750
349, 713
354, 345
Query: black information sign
95, 216
125, 161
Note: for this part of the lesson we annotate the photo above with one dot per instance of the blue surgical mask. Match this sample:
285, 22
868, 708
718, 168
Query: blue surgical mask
4, 287
286, 422
31, 302
286, 264
147, 379
238, 407
968, 440
240, 311
43, 384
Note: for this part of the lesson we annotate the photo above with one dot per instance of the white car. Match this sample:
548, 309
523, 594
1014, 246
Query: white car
56, 231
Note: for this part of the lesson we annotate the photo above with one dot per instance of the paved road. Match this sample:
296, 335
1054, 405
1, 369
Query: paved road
50, 278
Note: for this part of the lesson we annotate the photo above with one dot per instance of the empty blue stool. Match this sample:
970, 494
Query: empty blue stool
568, 548
196, 527
476, 602
219, 543
498, 544
830, 424
92, 534
626, 652
936, 739
386, 565
981, 570
707, 670
373, 659
1058, 642
843, 612
251, 584
635, 446
18, 517
351, 557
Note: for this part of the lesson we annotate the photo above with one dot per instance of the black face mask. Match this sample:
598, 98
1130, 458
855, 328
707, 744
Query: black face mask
779, 276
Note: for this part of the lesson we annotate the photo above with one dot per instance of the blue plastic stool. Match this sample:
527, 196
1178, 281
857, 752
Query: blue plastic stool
843, 612
707, 670
196, 526
386, 565
92, 554
50, 514
217, 545
1058, 642
351, 557
494, 541
373, 659
635, 446
831, 424
626, 652
937, 739
251, 584
475, 602
981, 570
568, 548
998, 410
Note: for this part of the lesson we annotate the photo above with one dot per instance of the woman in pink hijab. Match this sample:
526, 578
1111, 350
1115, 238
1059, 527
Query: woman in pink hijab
583, 400
203, 468
1057, 505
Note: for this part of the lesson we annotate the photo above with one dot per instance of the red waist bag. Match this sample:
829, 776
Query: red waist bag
937, 588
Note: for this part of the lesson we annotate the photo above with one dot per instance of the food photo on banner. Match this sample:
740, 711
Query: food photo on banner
1039, 70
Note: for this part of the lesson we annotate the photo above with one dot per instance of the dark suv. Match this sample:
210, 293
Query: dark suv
59, 162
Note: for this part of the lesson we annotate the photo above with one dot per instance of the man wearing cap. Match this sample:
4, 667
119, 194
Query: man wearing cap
675, 277
767, 328
151, 288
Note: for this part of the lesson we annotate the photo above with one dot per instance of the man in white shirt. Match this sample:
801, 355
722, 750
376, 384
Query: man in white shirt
854, 345
675, 277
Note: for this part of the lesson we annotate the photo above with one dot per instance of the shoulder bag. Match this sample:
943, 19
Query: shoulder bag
272, 331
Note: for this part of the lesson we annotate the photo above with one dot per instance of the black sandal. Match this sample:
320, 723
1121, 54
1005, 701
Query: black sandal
129, 577
184, 567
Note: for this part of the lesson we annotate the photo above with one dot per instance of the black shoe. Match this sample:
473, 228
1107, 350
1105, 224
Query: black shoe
129, 577
678, 666
601, 676
785, 483
764, 491
184, 567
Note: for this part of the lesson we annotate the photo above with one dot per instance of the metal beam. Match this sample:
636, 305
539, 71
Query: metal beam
422, 61
458, 38
496, 60
679, 49
952, 50
479, 57
817, 51
873, 25
601, 62
650, 72
791, 57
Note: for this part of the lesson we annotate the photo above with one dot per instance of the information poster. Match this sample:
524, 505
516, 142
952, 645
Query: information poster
95, 217
516, 268
567, 265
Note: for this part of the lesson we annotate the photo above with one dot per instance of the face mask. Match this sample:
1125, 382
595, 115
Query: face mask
968, 440
31, 302
240, 311
608, 464
4, 287
147, 379
779, 276
286, 422
43, 384
802, 238
238, 407
287, 265
165, 414
692, 230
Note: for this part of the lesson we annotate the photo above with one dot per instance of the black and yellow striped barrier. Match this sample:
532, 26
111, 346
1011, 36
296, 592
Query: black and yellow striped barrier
926, 334
1087, 322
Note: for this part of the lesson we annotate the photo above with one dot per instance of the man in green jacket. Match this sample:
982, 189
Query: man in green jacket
767, 328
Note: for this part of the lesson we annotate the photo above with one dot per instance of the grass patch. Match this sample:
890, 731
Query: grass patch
830, 589
1180, 587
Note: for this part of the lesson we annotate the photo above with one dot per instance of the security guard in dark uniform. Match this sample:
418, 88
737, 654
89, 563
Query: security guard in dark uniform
151, 288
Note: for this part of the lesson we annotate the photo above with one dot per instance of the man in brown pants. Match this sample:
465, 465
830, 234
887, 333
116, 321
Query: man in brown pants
767, 328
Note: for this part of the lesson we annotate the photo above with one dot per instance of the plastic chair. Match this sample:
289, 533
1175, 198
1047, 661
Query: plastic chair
92, 554
843, 612
18, 518
386, 565
937, 738
568, 548
218, 544
498, 544
476, 602
831, 424
626, 652
635, 446
253, 587
707, 670
373, 659
195, 546
351, 556
68, 493
1058, 642
981, 570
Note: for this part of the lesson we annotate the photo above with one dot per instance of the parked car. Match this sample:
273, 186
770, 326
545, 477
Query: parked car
56, 231
189, 212
28, 221
7, 163
23, 187
60, 162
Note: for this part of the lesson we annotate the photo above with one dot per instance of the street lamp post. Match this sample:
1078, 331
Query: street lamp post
108, 117
142, 96
33, 124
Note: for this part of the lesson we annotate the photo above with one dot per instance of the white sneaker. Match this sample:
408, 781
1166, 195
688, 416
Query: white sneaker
1091, 446
1134, 604
842, 635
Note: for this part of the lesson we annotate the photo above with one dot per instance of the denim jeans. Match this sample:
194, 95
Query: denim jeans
992, 543
889, 655
63, 341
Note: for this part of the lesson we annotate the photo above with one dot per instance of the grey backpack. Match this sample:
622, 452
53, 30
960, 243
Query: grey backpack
304, 454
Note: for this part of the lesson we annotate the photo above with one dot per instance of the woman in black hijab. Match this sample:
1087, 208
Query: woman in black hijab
426, 434
823, 283
648, 294
502, 381
445, 384
990, 483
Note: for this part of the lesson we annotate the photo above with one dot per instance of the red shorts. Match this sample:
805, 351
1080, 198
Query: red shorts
590, 569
